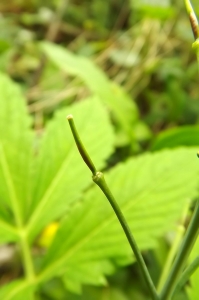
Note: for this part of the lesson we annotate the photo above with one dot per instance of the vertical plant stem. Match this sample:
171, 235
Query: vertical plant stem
192, 18
187, 274
181, 258
80, 146
193, 228
98, 178
26, 256
174, 249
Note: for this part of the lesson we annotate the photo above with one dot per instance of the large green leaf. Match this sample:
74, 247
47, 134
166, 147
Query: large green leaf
61, 175
15, 157
123, 108
151, 191
17, 290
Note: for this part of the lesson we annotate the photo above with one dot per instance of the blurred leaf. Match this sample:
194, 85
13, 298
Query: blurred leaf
175, 137
124, 57
17, 290
61, 175
4, 45
158, 12
153, 3
123, 108
85, 273
151, 191
154, 8
7, 232
54, 290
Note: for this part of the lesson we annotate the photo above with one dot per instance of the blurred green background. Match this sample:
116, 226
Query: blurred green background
143, 46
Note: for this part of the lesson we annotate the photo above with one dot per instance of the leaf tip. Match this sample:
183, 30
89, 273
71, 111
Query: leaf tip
198, 154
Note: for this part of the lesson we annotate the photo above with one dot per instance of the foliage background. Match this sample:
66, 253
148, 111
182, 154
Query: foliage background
143, 47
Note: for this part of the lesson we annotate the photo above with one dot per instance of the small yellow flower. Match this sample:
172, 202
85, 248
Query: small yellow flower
48, 235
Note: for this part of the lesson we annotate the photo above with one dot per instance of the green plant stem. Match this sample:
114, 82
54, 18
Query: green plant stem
26, 256
188, 6
187, 274
181, 258
174, 249
192, 18
80, 146
193, 228
98, 178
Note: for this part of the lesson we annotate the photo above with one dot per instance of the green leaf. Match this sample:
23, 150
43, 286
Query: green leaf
123, 108
175, 137
15, 154
151, 191
154, 8
17, 290
61, 175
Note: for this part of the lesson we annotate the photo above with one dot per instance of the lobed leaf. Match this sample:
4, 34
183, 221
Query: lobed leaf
87, 273
60, 172
123, 108
17, 290
151, 191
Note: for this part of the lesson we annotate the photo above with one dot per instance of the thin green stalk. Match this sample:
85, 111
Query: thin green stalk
195, 27
192, 18
193, 228
26, 256
174, 249
188, 6
181, 258
187, 274
98, 178
80, 146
